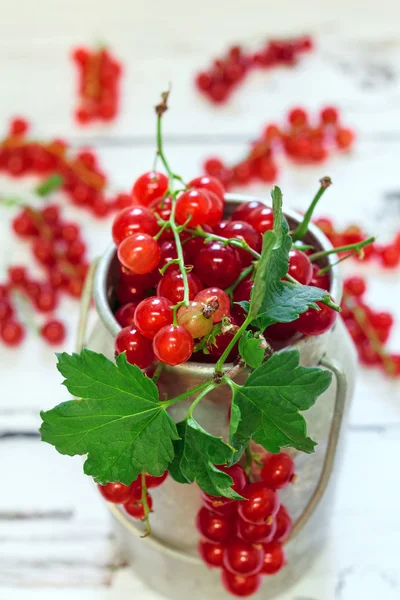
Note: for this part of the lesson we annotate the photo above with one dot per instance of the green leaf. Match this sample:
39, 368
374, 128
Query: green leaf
120, 423
251, 350
266, 408
51, 184
274, 300
196, 454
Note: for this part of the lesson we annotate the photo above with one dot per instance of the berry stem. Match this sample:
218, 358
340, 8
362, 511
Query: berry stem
157, 372
356, 247
212, 237
235, 338
146, 519
208, 389
242, 276
302, 227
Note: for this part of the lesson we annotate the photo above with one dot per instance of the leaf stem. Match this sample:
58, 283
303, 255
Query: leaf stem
302, 227
238, 334
188, 393
212, 237
208, 389
241, 277
357, 247
157, 372
146, 508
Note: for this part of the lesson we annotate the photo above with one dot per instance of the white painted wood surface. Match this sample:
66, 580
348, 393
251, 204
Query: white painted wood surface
54, 530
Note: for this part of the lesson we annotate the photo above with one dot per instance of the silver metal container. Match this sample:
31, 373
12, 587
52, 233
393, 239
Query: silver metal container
167, 560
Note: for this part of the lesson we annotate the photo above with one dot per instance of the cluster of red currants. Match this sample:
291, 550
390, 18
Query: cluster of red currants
388, 255
245, 538
99, 83
226, 73
82, 178
301, 141
130, 496
150, 290
369, 329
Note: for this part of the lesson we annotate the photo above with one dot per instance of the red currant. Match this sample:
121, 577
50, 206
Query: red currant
274, 558
149, 187
298, 117
17, 275
173, 345
192, 207
280, 332
240, 585
6, 310
300, 267
320, 281
211, 553
278, 470
133, 219
243, 211
152, 481
117, 493
283, 524
218, 300
152, 314
140, 253
138, 348
218, 265
216, 209
134, 507
261, 218
171, 286
12, 333
211, 184
125, 314
316, 322
242, 558
355, 285
255, 533
262, 503
245, 232
168, 253
194, 319
53, 332
329, 115
213, 527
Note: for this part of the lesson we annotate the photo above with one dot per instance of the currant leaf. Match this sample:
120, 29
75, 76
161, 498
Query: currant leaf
266, 408
119, 423
274, 300
251, 350
196, 454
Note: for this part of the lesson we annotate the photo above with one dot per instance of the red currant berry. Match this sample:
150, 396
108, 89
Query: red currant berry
75, 251
19, 126
69, 232
6, 310
255, 533
211, 553
117, 493
46, 300
192, 207
152, 314
133, 219
194, 319
125, 314
274, 558
162, 207
213, 527
355, 286
283, 525
51, 214
329, 115
211, 184
192, 247
316, 322
213, 166
240, 585
43, 251
4, 291
238, 475
140, 253
17, 275
218, 300
262, 503
344, 138
280, 332
128, 293
246, 233
218, 265
262, 219
53, 332
298, 117
220, 506
300, 267
242, 558
390, 256
173, 345
122, 201
138, 348
171, 286
149, 186
243, 211
134, 507
278, 470
381, 320
216, 209
24, 224
320, 281
152, 481
12, 333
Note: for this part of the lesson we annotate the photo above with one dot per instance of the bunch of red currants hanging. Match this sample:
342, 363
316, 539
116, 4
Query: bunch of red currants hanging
168, 250
245, 538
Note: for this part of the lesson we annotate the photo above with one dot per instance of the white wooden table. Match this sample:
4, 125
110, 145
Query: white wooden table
54, 530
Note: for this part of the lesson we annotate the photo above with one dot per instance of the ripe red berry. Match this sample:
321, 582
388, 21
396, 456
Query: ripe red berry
300, 267
316, 322
261, 218
390, 256
320, 281
19, 126
329, 115
355, 285
149, 187
283, 524
134, 507
218, 265
280, 331
152, 481
171, 286
192, 207
274, 558
240, 585
245, 232
297, 117
244, 210
211, 553
214, 528
139, 253
216, 298
117, 493
216, 209
53, 332
162, 207
255, 533
6, 309
133, 219
344, 138
11, 332
211, 184
125, 314
242, 558
138, 348
278, 470
381, 320
262, 503
173, 345
17, 275
152, 314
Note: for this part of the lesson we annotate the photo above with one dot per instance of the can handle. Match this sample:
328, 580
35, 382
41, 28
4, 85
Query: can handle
334, 434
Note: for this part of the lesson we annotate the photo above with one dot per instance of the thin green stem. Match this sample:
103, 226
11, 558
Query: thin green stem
235, 338
302, 228
357, 247
157, 372
218, 238
188, 393
162, 229
208, 389
146, 508
241, 277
